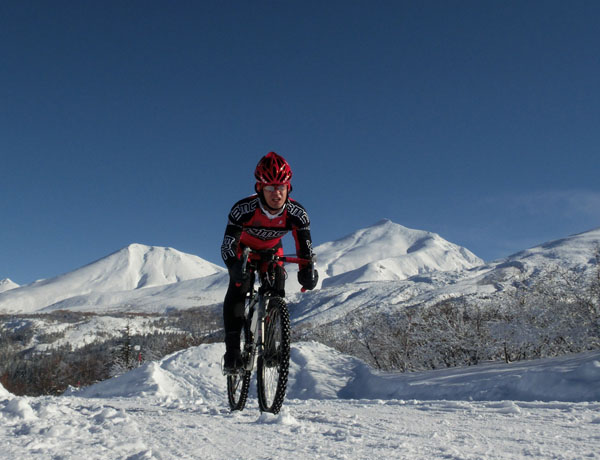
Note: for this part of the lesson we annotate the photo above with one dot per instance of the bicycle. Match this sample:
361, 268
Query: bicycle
265, 336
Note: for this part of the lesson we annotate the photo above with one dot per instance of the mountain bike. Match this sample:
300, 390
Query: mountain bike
265, 337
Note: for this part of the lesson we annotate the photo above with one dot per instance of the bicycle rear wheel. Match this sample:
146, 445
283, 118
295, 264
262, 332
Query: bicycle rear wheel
238, 384
273, 365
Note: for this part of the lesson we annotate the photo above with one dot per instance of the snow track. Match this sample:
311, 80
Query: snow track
124, 428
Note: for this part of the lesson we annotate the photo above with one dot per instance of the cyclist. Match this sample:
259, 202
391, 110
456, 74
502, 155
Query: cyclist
259, 222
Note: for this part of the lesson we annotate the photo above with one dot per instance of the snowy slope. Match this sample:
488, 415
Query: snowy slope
203, 291
575, 252
132, 268
7, 284
389, 251
337, 407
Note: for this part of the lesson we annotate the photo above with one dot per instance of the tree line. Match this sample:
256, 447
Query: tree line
25, 370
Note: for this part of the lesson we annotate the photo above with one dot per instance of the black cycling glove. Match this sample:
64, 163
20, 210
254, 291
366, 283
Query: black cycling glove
236, 275
307, 278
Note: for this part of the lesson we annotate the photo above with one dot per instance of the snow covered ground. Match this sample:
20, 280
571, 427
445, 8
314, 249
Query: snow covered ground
337, 408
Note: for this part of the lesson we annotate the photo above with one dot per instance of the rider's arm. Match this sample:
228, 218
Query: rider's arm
231, 240
300, 229
240, 213
303, 243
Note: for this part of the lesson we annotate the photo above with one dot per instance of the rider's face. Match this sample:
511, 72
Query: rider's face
275, 195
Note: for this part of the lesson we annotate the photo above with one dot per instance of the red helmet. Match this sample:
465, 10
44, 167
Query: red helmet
273, 169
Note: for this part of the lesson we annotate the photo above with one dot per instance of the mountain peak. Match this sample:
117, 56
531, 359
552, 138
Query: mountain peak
133, 267
139, 265
390, 251
7, 284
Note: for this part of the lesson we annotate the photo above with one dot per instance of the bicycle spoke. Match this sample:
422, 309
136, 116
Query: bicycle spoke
273, 365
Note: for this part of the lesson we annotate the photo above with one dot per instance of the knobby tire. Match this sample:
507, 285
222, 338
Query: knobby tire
273, 365
239, 384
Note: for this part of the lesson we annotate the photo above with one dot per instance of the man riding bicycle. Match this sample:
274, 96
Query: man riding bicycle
259, 222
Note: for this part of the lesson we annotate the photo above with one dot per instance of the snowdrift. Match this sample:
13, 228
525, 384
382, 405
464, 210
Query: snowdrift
321, 373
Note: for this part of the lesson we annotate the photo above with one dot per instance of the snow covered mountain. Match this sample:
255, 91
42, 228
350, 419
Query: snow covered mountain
6, 285
385, 266
576, 253
130, 269
389, 251
143, 278
579, 249
497, 278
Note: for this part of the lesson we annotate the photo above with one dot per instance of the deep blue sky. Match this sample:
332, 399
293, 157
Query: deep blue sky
142, 121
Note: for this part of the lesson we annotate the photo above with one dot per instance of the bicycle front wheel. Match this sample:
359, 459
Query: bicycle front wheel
273, 365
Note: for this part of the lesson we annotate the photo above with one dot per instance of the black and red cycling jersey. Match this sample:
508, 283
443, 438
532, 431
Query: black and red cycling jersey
251, 224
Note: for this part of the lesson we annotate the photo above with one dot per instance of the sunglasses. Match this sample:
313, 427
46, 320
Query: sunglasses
272, 188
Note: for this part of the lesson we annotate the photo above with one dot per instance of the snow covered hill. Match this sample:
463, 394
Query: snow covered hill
389, 251
573, 250
576, 253
7, 284
337, 407
131, 269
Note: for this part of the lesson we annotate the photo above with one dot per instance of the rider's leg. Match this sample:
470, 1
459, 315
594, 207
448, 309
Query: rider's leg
280, 276
233, 319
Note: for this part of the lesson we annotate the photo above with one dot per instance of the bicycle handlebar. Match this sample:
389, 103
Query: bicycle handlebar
248, 254
286, 259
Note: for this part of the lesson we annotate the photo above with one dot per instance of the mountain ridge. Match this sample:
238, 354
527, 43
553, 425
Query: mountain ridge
133, 267
386, 261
